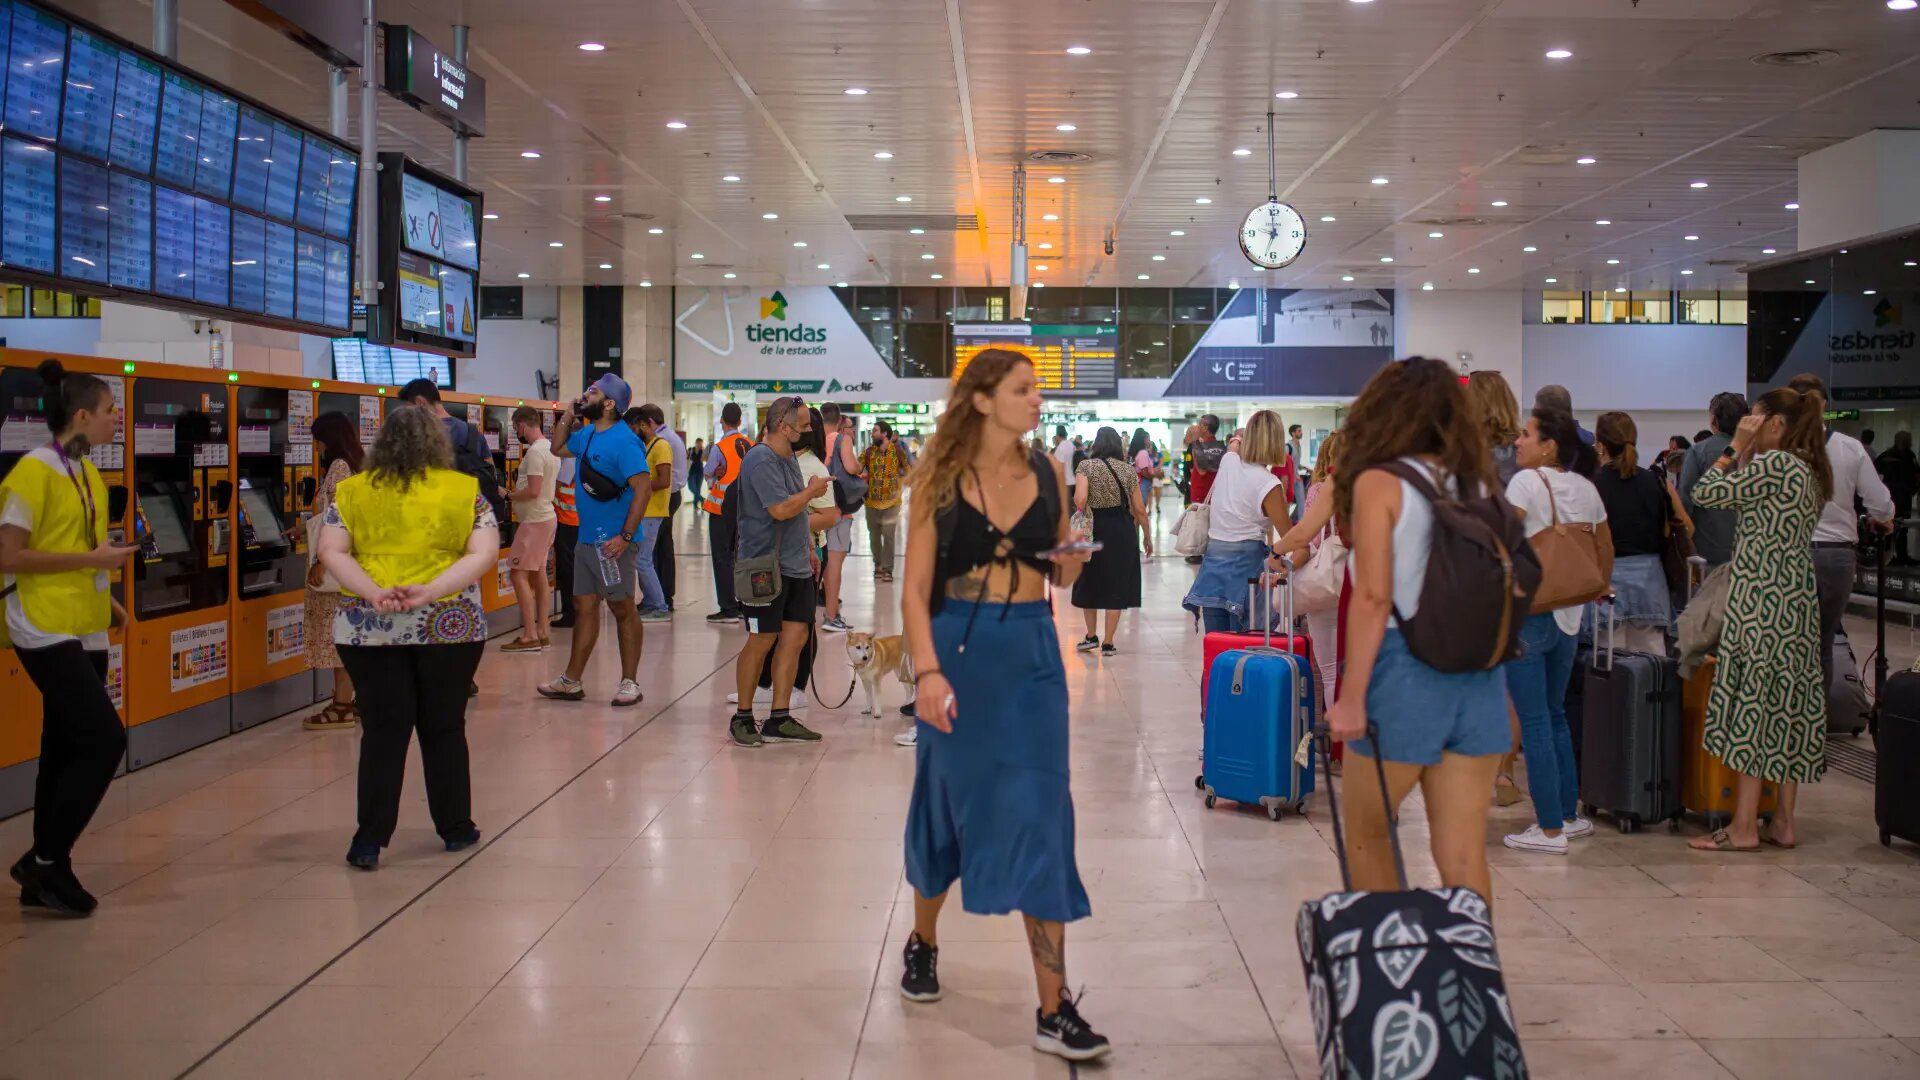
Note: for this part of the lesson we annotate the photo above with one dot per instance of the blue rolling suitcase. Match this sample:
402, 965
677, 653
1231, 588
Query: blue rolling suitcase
1259, 708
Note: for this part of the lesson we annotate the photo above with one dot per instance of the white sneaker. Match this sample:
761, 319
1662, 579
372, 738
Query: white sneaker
1577, 827
764, 696
909, 737
1535, 840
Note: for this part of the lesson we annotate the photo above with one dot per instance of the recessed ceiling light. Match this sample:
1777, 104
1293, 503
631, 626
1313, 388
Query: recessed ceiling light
1793, 206
490, 217
1435, 235
1056, 179
1065, 127
1809, 281
1241, 151
1529, 249
677, 125
1498, 204
1140, 277
1326, 217
1690, 237
603, 198
1040, 266
770, 216
645, 284
1203, 201
529, 153
903, 198
1046, 247
1159, 258
1584, 161
855, 91
1287, 95
1039, 284
525, 276
729, 275
1869, 292
555, 243
606, 266
839, 284
1621, 288
591, 46
1902, 5
883, 155
1770, 251
1553, 281
1386, 258
655, 231
823, 266
1049, 217
936, 277
1686, 273
1177, 232
926, 254
1697, 185
799, 243
1346, 277
1559, 54
1602, 221
916, 232
696, 255
1910, 262
1473, 269
1377, 181
1613, 262
1078, 50
1233, 283
1426, 286
731, 178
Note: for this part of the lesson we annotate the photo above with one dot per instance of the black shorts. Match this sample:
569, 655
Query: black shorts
798, 597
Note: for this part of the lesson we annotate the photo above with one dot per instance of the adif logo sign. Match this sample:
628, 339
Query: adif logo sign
770, 338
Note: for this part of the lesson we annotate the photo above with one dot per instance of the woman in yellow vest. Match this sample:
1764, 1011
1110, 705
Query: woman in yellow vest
56, 560
408, 539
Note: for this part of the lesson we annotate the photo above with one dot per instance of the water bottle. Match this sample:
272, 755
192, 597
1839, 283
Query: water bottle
609, 566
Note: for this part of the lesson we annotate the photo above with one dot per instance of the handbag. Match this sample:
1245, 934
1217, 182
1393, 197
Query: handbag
1195, 525
756, 580
328, 583
1703, 619
1316, 586
1569, 554
1676, 548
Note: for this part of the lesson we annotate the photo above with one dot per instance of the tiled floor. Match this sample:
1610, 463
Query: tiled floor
654, 903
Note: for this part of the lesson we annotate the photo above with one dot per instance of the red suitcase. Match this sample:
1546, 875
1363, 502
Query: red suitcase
1219, 641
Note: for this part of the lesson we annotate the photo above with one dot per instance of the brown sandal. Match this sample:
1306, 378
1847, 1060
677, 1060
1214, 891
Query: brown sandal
335, 717
1722, 841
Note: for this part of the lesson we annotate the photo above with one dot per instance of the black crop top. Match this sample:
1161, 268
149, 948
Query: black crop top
968, 540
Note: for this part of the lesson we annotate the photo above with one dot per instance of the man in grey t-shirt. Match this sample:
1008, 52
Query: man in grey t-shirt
774, 520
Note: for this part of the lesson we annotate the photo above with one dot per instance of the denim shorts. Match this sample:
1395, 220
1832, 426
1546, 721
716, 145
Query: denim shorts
1422, 713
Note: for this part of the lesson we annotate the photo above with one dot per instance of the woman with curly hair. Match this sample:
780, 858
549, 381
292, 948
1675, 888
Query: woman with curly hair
408, 539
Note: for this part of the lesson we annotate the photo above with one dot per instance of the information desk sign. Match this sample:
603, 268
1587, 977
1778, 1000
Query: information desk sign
419, 74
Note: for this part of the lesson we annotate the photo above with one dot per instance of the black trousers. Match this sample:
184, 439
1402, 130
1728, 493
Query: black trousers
663, 562
565, 539
82, 742
720, 541
403, 689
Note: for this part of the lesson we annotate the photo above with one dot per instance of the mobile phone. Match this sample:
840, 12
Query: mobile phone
1075, 548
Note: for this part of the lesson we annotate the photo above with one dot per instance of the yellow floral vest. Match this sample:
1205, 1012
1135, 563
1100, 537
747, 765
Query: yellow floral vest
408, 536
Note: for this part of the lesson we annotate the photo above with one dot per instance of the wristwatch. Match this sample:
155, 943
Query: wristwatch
627, 536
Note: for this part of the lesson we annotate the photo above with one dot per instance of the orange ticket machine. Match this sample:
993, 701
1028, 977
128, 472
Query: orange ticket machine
180, 644
493, 417
273, 440
366, 407
23, 429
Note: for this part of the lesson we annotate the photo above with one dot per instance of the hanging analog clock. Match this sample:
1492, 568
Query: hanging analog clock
1273, 235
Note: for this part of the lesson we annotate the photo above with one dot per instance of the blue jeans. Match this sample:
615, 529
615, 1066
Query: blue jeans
652, 596
1537, 684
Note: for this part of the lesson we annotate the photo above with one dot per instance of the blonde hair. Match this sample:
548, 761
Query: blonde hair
1264, 440
411, 441
1329, 453
1499, 412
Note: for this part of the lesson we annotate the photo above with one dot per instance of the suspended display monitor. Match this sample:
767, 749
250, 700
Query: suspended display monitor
357, 360
124, 175
429, 260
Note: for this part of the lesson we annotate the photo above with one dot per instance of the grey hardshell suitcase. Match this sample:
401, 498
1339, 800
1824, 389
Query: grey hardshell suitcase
1630, 742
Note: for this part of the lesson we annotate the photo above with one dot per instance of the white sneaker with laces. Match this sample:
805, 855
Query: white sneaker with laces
1535, 840
909, 737
1577, 827
627, 694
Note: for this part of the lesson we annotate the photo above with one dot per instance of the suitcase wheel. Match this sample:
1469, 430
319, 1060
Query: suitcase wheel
1273, 811
1210, 802
1200, 782
1627, 824
1886, 838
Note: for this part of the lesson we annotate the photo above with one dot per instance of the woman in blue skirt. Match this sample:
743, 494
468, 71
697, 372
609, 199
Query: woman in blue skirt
990, 802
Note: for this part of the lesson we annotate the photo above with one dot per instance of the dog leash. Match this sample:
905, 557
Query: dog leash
813, 678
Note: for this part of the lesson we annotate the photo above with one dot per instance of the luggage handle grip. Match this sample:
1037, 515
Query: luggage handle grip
1322, 741
1264, 583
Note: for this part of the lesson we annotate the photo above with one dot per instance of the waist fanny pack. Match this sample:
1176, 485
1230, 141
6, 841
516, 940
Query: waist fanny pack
594, 482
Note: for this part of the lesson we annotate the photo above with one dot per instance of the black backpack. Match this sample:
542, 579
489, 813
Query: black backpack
1481, 577
472, 455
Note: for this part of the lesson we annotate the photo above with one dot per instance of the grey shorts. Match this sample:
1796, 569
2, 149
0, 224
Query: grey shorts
586, 573
840, 537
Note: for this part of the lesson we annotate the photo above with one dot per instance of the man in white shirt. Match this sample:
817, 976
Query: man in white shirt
1063, 450
533, 531
1837, 535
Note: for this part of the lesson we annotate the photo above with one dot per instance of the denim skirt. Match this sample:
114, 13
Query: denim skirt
1640, 591
1222, 583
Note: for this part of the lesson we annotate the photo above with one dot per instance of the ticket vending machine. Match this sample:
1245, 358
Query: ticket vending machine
271, 422
180, 642
366, 407
23, 428
496, 588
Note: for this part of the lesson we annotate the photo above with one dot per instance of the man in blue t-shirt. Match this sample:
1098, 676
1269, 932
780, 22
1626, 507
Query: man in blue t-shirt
611, 486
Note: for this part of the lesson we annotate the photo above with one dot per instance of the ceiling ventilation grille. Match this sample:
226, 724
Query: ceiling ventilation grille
1058, 157
903, 222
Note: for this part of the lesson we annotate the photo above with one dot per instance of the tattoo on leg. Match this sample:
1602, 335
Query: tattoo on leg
1046, 951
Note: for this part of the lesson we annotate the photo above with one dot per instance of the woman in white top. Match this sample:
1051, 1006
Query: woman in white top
1247, 500
1443, 731
1537, 681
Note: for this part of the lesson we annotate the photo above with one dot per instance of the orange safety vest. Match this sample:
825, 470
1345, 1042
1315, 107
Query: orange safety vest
563, 510
732, 449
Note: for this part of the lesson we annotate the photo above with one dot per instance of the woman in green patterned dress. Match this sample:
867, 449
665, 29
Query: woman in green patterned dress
1767, 715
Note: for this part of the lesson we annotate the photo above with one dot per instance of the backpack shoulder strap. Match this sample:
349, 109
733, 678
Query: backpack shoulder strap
1412, 475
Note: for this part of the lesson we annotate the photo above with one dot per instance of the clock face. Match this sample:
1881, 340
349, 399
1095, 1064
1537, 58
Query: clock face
1273, 235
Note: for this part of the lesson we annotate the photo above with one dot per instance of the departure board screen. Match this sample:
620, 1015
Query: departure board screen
429, 258
361, 361
124, 174
1068, 361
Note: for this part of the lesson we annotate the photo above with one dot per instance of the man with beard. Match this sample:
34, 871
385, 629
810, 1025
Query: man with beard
611, 487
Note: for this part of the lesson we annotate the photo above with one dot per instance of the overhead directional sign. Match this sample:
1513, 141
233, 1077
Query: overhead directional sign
419, 74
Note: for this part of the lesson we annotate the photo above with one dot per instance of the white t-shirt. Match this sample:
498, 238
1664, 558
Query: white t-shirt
538, 460
1064, 455
1576, 500
1412, 539
1239, 489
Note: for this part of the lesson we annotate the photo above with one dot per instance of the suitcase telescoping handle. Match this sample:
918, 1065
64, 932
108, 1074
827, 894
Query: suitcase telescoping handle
1322, 742
1263, 586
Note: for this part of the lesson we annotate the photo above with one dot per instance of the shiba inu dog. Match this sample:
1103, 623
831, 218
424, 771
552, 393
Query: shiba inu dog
875, 658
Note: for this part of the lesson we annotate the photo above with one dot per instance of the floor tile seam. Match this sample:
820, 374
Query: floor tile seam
436, 882
873, 988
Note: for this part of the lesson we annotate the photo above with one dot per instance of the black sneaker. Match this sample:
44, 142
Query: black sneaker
907, 709
1087, 644
723, 618
52, 886
363, 855
462, 839
787, 729
1065, 1035
744, 731
920, 982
